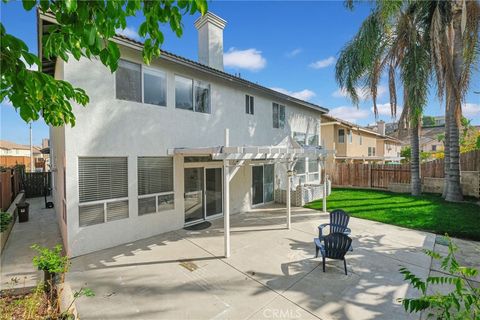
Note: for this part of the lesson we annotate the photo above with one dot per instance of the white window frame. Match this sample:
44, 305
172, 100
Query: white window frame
142, 68
251, 104
338, 133
194, 81
280, 106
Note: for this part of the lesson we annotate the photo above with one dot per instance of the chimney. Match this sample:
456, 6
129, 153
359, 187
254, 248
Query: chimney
210, 40
381, 127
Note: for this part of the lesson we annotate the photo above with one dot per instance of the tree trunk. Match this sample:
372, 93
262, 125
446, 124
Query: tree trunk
446, 150
454, 190
415, 160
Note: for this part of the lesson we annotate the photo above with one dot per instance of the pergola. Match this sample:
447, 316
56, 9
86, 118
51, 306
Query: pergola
287, 151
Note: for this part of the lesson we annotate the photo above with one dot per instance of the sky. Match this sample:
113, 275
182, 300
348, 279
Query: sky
290, 46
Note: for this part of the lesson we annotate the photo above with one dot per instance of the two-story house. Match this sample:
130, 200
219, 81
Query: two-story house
170, 144
355, 144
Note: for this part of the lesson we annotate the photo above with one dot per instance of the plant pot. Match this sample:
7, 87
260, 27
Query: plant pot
22, 209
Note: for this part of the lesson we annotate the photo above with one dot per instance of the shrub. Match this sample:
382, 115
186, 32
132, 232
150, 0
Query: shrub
50, 260
461, 302
5, 219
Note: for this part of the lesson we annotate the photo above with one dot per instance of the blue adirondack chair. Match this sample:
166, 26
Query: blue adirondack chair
338, 224
334, 246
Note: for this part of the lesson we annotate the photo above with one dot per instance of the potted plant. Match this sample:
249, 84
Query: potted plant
52, 262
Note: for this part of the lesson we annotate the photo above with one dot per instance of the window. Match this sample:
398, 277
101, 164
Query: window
202, 97
128, 81
350, 136
249, 104
183, 93
192, 95
103, 189
155, 184
341, 135
313, 170
278, 116
371, 151
434, 147
154, 87
360, 139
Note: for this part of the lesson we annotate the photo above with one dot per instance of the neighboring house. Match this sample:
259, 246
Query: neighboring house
12, 154
356, 144
149, 153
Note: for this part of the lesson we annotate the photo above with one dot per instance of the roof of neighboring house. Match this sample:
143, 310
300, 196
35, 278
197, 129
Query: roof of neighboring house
48, 67
356, 126
8, 145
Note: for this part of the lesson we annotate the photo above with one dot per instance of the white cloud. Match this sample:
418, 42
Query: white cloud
351, 114
470, 110
304, 94
323, 63
294, 52
32, 67
129, 33
384, 109
249, 59
363, 94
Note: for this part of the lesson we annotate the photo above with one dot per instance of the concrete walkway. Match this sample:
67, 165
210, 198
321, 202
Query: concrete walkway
270, 275
16, 262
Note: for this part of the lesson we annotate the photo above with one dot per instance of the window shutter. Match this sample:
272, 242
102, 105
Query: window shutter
155, 175
91, 214
102, 178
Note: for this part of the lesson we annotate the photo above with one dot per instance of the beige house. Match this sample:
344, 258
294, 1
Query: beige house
355, 144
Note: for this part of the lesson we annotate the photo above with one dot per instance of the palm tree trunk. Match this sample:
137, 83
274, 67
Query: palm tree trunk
415, 160
454, 190
446, 150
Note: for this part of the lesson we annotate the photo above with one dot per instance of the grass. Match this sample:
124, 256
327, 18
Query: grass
427, 212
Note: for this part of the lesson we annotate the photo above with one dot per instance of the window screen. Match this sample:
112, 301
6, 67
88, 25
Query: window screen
102, 178
128, 81
202, 97
155, 175
183, 93
154, 87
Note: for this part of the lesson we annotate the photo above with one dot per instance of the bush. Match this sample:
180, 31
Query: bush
461, 302
5, 219
50, 260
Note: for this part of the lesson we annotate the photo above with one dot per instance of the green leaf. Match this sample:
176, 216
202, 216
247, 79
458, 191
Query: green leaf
71, 5
92, 35
29, 4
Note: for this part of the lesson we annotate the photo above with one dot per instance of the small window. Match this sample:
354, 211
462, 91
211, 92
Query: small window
350, 136
300, 166
434, 147
360, 139
202, 97
341, 135
249, 104
183, 93
373, 148
128, 79
154, 87
369, 151
278, 116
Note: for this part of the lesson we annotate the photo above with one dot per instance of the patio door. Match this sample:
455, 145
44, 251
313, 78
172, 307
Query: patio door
262, 183
203, 194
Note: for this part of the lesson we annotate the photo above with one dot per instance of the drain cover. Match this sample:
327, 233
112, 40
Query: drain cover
190, 266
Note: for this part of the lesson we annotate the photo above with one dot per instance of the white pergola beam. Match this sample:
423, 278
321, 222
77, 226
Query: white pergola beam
226, 200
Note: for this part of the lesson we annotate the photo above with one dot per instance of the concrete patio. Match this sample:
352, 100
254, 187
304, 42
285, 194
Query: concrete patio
271, 273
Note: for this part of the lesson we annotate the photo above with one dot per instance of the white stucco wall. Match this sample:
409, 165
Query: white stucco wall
111, 127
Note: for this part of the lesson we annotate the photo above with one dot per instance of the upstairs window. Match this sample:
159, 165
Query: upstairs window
202, 97
371, 151
192, 95
350, 136
341, 135
154, 87
128, 78
278, 116
249, 104
183, 93
360, 139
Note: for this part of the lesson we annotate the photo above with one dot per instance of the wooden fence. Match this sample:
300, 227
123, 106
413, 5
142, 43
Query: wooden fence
10, 185
381, 175
35, 184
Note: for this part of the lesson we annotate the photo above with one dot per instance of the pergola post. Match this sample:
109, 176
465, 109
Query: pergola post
324, 202
226, 200
289, 213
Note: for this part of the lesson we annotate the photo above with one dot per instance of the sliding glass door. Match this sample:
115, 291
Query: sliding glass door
263, 177
203, 193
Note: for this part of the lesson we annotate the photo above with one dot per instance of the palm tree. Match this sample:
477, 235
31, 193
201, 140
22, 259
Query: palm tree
391, 37
447, 33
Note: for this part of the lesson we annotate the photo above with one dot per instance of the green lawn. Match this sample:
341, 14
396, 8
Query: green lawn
427, 212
